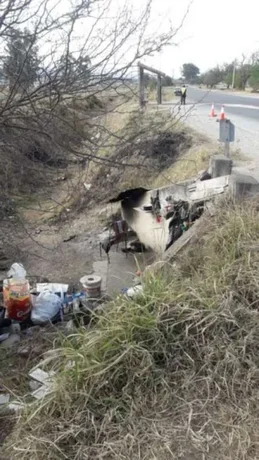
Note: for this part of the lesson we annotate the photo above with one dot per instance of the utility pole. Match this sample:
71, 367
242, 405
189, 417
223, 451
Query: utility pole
234, 76
159, 89
141, 87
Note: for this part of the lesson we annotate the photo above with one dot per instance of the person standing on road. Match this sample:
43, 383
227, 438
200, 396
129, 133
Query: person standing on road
183, 95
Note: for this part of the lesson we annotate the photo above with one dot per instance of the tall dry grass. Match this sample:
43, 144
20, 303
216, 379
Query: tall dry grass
173, 374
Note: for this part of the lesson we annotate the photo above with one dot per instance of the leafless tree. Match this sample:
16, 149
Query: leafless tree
87, 51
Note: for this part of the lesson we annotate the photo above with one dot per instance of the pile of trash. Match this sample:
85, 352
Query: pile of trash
25, 305
179, 213
40, 384
28, 310
160, 216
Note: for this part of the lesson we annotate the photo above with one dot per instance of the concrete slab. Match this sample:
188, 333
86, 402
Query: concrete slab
242, 185
220, 166
206, 190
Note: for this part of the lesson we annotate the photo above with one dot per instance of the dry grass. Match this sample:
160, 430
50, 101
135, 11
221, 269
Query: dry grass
173, 374
119, 133
188, 165
193, 162
151, 142
167, 94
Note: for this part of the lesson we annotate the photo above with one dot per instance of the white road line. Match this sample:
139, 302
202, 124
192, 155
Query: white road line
242, 106
238, 106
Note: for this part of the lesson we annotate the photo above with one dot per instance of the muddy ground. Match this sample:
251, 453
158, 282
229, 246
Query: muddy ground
65, 247
69, 249
61, 252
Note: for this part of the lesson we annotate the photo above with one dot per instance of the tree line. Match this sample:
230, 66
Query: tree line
21, 67
238, 73
55, 55
62, 71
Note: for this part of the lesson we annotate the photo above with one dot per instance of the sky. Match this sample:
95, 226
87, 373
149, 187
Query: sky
215, 31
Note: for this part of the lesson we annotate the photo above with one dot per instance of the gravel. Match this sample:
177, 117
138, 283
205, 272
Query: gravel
247, 129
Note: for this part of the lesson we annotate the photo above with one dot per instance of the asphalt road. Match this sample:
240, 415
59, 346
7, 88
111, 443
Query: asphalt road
245, 106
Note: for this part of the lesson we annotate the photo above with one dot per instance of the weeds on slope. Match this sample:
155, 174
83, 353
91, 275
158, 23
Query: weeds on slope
173, 374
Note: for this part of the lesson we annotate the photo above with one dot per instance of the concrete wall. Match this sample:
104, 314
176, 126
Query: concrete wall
150, 232
155, 234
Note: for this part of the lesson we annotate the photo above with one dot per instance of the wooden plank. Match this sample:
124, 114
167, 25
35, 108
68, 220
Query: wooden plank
151, 69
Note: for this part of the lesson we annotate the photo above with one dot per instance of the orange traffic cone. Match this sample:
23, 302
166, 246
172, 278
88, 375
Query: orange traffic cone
222, 113
212, 112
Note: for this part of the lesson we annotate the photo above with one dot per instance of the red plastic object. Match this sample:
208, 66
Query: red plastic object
17, 299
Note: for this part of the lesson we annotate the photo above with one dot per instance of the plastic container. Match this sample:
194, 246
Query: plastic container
17, 299
92, 286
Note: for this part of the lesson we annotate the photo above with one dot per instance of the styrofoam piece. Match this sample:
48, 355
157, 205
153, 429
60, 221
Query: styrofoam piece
41, 392
41, 376
87, 186
34, 385
4, 399
16, 406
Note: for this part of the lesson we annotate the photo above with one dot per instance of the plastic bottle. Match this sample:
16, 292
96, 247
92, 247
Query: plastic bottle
16, 294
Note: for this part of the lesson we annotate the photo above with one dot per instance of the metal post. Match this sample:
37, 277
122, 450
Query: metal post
226, 135
227, 149
159, 89
141, 88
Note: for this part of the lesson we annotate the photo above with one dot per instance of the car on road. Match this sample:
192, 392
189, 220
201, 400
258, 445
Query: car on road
177, 92
222, 86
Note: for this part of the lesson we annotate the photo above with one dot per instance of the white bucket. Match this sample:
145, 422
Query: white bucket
92, 285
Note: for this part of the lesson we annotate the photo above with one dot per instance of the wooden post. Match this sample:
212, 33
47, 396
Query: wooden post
141, 68
141, 88
159, 89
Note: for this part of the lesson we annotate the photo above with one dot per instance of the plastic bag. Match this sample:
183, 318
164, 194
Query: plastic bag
17, 272
56, 288
47, 306
135, 291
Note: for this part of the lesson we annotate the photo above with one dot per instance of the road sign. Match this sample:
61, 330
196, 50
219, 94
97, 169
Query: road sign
226, 131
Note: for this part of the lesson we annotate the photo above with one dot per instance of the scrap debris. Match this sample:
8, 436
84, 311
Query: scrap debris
43, 304
4, 399
117, 233
45, 380
160, 216
24, 306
